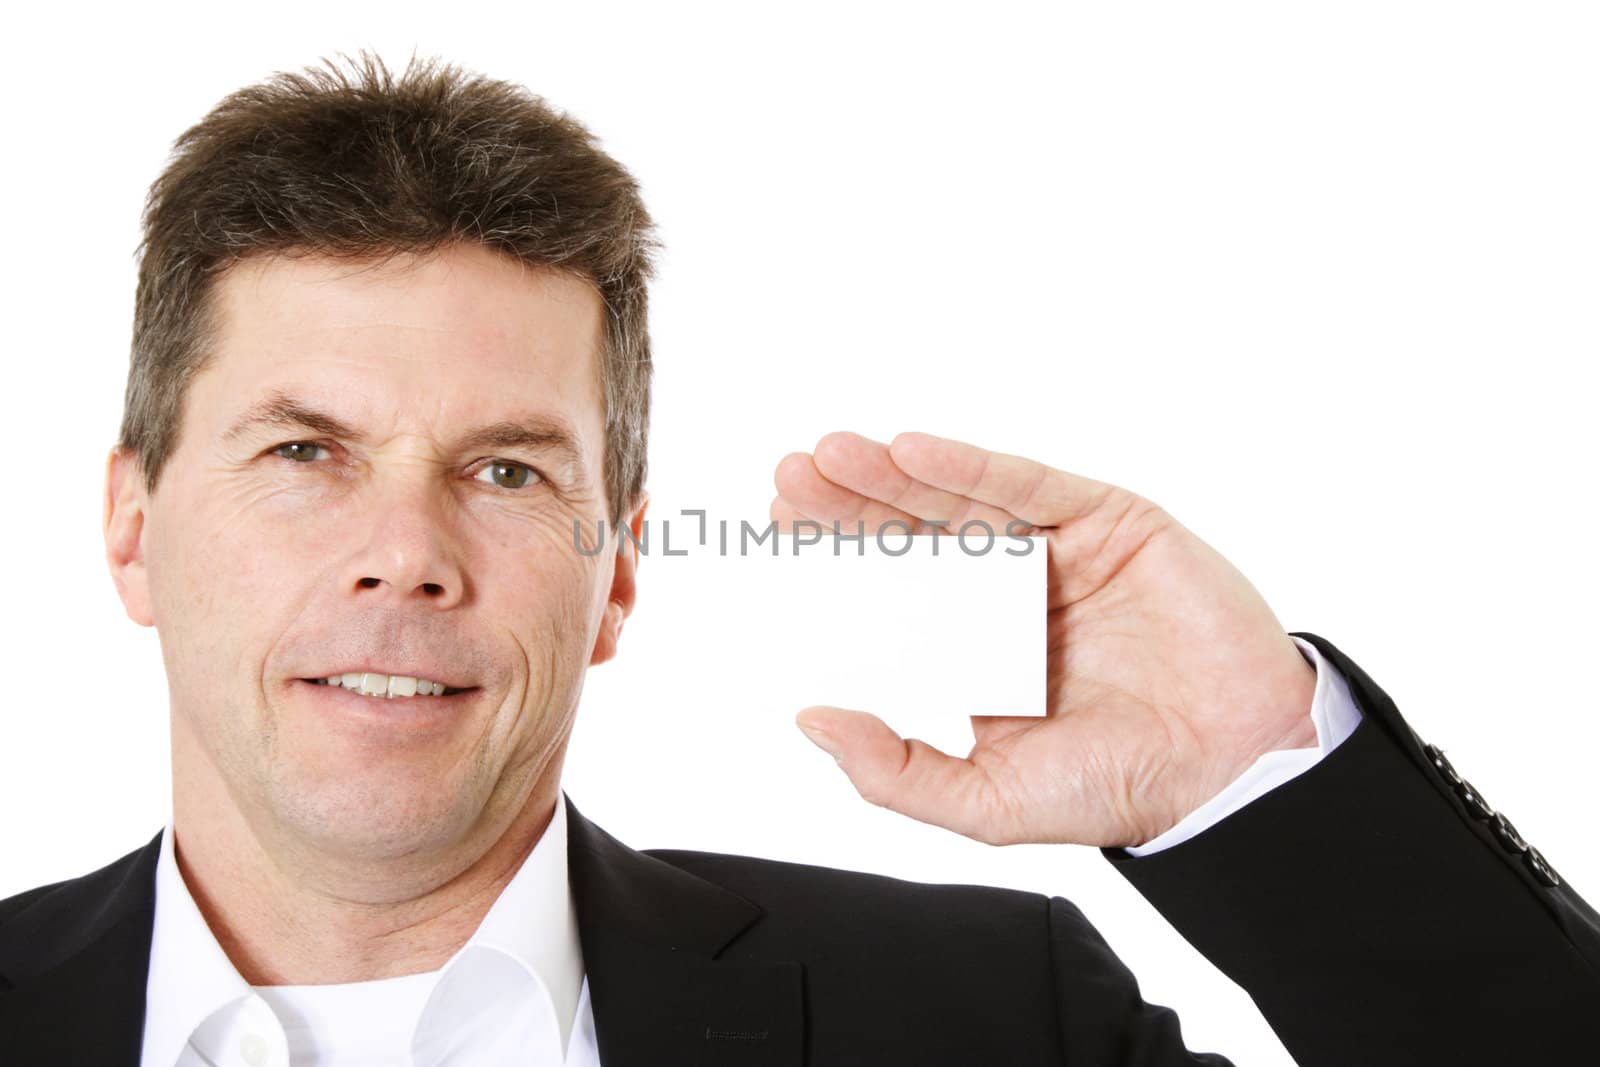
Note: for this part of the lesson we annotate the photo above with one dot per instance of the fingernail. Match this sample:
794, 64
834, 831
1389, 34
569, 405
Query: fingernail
823, 741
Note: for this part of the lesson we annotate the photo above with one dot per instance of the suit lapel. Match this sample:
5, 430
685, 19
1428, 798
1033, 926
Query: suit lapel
73, 967
74, 964
650, 934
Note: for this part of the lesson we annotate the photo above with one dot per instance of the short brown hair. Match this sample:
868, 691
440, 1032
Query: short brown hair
355, 161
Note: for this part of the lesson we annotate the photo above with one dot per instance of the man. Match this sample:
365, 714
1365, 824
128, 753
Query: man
389, 352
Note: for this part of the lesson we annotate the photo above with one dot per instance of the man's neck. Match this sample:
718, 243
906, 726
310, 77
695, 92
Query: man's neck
285, 916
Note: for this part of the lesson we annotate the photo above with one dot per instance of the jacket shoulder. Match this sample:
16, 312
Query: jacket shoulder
13, 904
39, 926
988, 974
819, 906
784, 879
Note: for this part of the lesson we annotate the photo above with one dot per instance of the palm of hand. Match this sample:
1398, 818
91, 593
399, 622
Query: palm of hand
1167, 672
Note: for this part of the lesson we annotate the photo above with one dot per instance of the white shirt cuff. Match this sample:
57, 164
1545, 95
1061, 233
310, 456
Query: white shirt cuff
1335, 715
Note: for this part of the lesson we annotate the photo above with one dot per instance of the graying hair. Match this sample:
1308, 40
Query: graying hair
353, 161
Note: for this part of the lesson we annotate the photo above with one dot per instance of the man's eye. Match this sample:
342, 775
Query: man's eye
510, 475
504, 473
299, 451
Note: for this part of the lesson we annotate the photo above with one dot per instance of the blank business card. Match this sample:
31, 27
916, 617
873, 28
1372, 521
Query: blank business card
914, 629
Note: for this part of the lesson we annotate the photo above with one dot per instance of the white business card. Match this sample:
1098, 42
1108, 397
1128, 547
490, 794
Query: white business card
917, 630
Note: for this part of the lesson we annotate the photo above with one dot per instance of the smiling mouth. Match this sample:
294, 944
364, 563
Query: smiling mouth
388, 687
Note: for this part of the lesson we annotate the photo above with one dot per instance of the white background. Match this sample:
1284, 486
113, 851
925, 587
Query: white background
1319, 279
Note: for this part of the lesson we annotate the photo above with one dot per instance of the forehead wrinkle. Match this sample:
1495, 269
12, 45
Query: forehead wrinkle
272, 280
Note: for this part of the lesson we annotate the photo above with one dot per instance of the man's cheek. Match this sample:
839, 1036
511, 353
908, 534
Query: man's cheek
557, 627
541, 552
224, 573
544, 536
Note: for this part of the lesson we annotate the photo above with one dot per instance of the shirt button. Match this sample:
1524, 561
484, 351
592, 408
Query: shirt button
255, 1050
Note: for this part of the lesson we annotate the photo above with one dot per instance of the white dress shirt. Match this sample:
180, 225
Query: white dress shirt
515, 993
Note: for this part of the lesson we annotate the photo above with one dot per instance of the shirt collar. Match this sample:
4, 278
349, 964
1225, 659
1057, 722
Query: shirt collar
533, 921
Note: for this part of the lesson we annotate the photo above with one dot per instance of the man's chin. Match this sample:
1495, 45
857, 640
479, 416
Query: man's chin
379, 816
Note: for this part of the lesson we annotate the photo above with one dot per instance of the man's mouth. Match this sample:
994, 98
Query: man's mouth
388, 686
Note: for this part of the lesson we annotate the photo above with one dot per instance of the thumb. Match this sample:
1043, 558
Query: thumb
906, 775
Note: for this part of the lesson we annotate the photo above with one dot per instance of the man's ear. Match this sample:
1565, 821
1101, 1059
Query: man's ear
122, 522
623, 585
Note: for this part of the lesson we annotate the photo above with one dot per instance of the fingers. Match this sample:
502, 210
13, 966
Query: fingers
851, 479
805, 493
907, 776
864, 466
784, 514
1031, 491
919, 478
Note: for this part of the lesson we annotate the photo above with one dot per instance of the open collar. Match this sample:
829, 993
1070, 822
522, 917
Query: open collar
74, 962
532, 922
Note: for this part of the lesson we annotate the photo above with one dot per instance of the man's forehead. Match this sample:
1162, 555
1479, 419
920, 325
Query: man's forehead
506, 352
463, 288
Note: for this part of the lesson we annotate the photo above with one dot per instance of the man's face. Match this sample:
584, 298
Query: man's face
279, 548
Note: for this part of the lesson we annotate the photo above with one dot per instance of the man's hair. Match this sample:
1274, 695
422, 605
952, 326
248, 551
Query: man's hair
354, 161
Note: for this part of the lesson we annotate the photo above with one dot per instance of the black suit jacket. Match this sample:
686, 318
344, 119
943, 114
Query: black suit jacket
1374, 908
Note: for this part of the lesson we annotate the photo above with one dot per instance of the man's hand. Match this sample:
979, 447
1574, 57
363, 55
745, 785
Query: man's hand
1168, 674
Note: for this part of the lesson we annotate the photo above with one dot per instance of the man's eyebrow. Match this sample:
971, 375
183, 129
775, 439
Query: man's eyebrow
281, 409
536, 431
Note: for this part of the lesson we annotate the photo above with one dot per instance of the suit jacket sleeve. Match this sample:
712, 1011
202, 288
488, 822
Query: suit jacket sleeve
1102, 1017
1380, 912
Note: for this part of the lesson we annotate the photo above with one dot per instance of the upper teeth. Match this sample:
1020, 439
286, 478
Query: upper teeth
385, 685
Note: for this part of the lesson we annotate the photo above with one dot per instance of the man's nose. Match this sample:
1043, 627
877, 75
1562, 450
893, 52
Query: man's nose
410, 551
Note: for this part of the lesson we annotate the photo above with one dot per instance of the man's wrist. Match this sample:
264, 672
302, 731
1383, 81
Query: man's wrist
1333, 716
